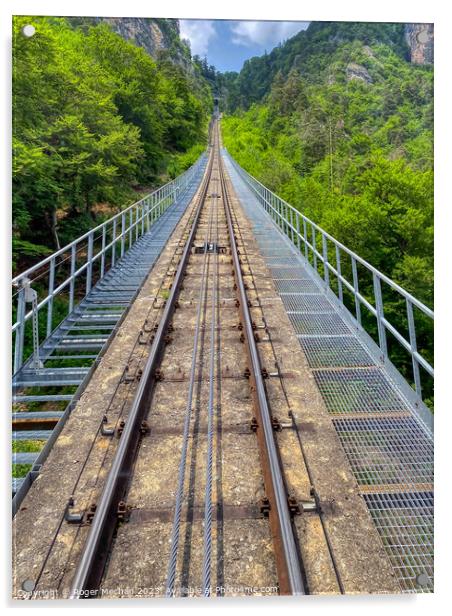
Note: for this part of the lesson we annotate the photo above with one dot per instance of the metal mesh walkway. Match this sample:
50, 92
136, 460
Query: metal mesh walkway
388, 441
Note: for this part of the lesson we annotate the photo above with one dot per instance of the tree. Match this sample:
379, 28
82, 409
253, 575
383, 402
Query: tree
93, 116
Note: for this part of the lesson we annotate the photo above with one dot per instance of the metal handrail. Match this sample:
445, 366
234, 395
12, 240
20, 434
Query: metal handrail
121, 230
295, 225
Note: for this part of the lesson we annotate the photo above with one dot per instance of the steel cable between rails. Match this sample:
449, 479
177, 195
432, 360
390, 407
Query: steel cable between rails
207, 556
171, 574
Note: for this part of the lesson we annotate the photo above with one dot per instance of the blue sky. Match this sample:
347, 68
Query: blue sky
227, 44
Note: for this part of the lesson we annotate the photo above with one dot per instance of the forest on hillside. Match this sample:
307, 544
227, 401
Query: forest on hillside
343, 131
95, 121
351, 145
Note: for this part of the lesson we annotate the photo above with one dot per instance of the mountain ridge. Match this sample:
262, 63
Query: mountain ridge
309, 50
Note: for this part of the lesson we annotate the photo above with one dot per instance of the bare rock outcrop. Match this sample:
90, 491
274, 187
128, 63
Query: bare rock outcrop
357, 71
419, 38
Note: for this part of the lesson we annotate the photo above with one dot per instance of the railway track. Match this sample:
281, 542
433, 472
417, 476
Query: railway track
192, 485
94, 555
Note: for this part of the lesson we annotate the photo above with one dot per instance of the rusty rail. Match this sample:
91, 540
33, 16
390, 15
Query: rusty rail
286, 552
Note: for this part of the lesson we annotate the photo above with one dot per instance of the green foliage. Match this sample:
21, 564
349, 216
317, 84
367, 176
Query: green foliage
309, 52
94, 115
181, 162
26, 250
355, 166
354, 155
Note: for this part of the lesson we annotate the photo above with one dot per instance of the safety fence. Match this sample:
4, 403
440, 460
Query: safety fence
47, 292
346, 274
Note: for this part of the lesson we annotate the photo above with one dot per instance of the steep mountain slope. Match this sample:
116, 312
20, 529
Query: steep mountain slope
310, 50
345, 134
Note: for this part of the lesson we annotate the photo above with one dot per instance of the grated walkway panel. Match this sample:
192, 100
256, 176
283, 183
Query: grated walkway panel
294, 285
359, 390
332, 351
405, 524
387, 450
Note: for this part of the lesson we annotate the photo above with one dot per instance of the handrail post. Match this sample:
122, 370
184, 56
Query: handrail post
72, 281
19, 341
123, 233
89, 260
102, 256
137, 210
297, 218
413, 344
356, 291
380, 315
339, 274
326, 271
113, 244
50, 303
305, 236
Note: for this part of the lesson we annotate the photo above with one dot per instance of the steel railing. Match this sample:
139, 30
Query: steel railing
325, 254
88, 257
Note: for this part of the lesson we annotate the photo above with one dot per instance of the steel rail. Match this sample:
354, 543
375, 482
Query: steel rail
171, 574
286, 552
95, 551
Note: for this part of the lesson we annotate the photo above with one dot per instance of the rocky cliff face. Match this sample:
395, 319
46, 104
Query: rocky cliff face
419, 38
145, 32
156, 36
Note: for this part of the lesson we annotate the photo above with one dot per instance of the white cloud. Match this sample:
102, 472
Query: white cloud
265, 32
199, 32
